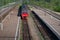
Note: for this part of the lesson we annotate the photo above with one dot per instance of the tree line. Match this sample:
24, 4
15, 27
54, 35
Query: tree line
4, 2
51, 4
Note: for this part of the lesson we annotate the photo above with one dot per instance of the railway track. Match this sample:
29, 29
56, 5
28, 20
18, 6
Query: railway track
10, 32
26, 33
4, 12
50, 12
25, 27
45, 31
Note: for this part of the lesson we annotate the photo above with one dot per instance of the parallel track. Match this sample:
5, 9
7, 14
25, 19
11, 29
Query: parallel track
50, 12
5, 36
45, 31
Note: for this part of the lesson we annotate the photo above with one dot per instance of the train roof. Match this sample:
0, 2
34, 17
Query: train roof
24, 8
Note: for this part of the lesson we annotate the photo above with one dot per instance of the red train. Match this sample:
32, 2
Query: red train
24, 15
23, 12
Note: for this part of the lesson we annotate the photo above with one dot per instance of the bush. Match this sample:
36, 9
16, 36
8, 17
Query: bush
57, 8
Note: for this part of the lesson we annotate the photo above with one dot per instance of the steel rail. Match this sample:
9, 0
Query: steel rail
26, 32
45, 31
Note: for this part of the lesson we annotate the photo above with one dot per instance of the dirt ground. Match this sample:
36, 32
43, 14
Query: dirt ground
33, 30
9, 25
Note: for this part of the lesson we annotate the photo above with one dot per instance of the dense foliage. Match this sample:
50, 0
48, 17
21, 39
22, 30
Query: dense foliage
51, 4
4, 2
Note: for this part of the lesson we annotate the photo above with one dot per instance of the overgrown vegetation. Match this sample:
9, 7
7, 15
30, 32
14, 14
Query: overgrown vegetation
51, 4
4, 2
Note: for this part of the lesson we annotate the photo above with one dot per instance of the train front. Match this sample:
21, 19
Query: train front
24, 13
